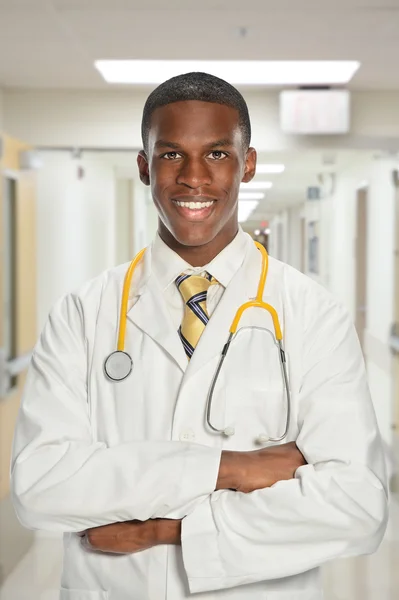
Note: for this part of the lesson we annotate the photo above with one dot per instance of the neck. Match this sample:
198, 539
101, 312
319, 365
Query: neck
198, 256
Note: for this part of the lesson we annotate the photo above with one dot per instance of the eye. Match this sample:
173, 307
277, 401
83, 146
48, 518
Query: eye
171, 155
217, 155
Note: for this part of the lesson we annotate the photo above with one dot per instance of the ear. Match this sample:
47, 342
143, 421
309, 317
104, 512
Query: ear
250, 165
142, 163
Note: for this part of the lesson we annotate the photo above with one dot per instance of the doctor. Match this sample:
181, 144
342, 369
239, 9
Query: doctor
154, 504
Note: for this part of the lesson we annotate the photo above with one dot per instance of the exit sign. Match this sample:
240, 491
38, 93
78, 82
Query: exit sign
315, 112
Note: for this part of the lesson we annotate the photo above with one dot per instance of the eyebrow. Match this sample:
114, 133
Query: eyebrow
166, 144
217, 144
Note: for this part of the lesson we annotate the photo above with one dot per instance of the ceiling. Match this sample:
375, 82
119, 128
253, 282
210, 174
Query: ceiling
53, 43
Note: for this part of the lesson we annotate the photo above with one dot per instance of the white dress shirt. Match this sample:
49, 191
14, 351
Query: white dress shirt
168, 265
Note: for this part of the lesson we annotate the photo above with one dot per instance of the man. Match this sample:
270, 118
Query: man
152, 502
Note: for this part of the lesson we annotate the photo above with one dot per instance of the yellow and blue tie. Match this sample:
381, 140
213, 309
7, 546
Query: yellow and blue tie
194, 289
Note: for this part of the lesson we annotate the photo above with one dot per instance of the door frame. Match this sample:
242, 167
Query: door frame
394, 341
362, 193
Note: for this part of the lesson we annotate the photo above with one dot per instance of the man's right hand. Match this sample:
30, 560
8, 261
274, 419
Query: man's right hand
258, 469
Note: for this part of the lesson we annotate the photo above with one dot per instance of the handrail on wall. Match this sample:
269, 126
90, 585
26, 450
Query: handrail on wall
11, 368
394, 339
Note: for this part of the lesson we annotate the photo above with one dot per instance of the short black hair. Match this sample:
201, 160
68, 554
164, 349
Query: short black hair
196, 86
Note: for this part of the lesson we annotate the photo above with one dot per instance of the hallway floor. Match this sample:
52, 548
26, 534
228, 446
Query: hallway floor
373, 577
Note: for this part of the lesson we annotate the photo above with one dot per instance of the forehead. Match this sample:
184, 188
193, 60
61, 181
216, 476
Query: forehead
197, 122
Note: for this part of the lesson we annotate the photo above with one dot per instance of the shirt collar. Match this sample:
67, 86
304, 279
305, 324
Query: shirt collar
167, 265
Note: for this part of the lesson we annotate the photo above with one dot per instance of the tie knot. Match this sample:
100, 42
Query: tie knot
194, 287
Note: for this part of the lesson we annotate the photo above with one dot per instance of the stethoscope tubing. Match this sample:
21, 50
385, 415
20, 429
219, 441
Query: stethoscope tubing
229, 431
118, 365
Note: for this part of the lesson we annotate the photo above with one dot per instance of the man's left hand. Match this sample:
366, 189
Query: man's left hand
132, 536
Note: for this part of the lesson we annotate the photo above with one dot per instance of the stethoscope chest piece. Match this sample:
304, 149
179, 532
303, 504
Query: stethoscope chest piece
118, 365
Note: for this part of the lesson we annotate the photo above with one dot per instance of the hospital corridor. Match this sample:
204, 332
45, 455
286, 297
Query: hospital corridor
321, 82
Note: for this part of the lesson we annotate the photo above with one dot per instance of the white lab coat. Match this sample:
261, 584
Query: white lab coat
89, 452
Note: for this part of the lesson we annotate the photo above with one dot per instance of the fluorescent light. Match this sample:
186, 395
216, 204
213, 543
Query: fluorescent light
240, 72
245, 209
256, 185
251, 196
270, 169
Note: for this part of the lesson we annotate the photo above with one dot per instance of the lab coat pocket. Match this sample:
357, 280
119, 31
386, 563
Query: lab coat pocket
255, 414
82, 595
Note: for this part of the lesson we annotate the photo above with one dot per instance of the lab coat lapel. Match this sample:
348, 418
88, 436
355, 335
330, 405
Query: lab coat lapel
149, 312
241, 288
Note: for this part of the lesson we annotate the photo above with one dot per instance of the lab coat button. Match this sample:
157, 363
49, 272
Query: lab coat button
187, 435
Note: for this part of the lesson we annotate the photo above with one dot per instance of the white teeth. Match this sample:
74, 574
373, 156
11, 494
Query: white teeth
195, 205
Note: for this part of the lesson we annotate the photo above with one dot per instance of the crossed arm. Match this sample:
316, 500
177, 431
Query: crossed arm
297, 516
240, 471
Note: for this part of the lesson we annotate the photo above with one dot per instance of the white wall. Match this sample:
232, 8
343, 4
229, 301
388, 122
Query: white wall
380, 254
136, 218
87, 225
123, 208
112, 119
294, 242
341, 248
338, 261
316, 214
327, 238
336, 217
291, 247
279, 236
75, 225
152, 218
380, 289
139, 216
276, 244
273, 236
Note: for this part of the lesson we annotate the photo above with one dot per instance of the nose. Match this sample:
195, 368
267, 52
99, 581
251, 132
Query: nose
194, 173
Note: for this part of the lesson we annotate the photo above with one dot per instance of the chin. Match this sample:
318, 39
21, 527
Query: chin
194, 236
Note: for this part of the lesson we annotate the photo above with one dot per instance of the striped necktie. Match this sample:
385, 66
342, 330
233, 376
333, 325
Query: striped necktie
194, 289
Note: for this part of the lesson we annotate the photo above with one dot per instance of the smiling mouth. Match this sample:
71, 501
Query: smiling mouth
194, 205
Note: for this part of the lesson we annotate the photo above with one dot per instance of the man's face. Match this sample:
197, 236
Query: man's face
195, 163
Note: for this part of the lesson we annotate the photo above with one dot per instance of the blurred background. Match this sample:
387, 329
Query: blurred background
321, 80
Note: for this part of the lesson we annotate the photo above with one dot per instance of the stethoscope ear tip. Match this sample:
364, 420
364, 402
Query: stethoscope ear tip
262, 438
229, 431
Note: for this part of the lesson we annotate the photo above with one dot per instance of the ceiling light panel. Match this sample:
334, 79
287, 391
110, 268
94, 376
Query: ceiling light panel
241, 72
256, 185
251, 196
271, 168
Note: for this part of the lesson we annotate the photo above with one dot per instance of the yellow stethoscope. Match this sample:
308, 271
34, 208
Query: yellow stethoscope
118, 365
